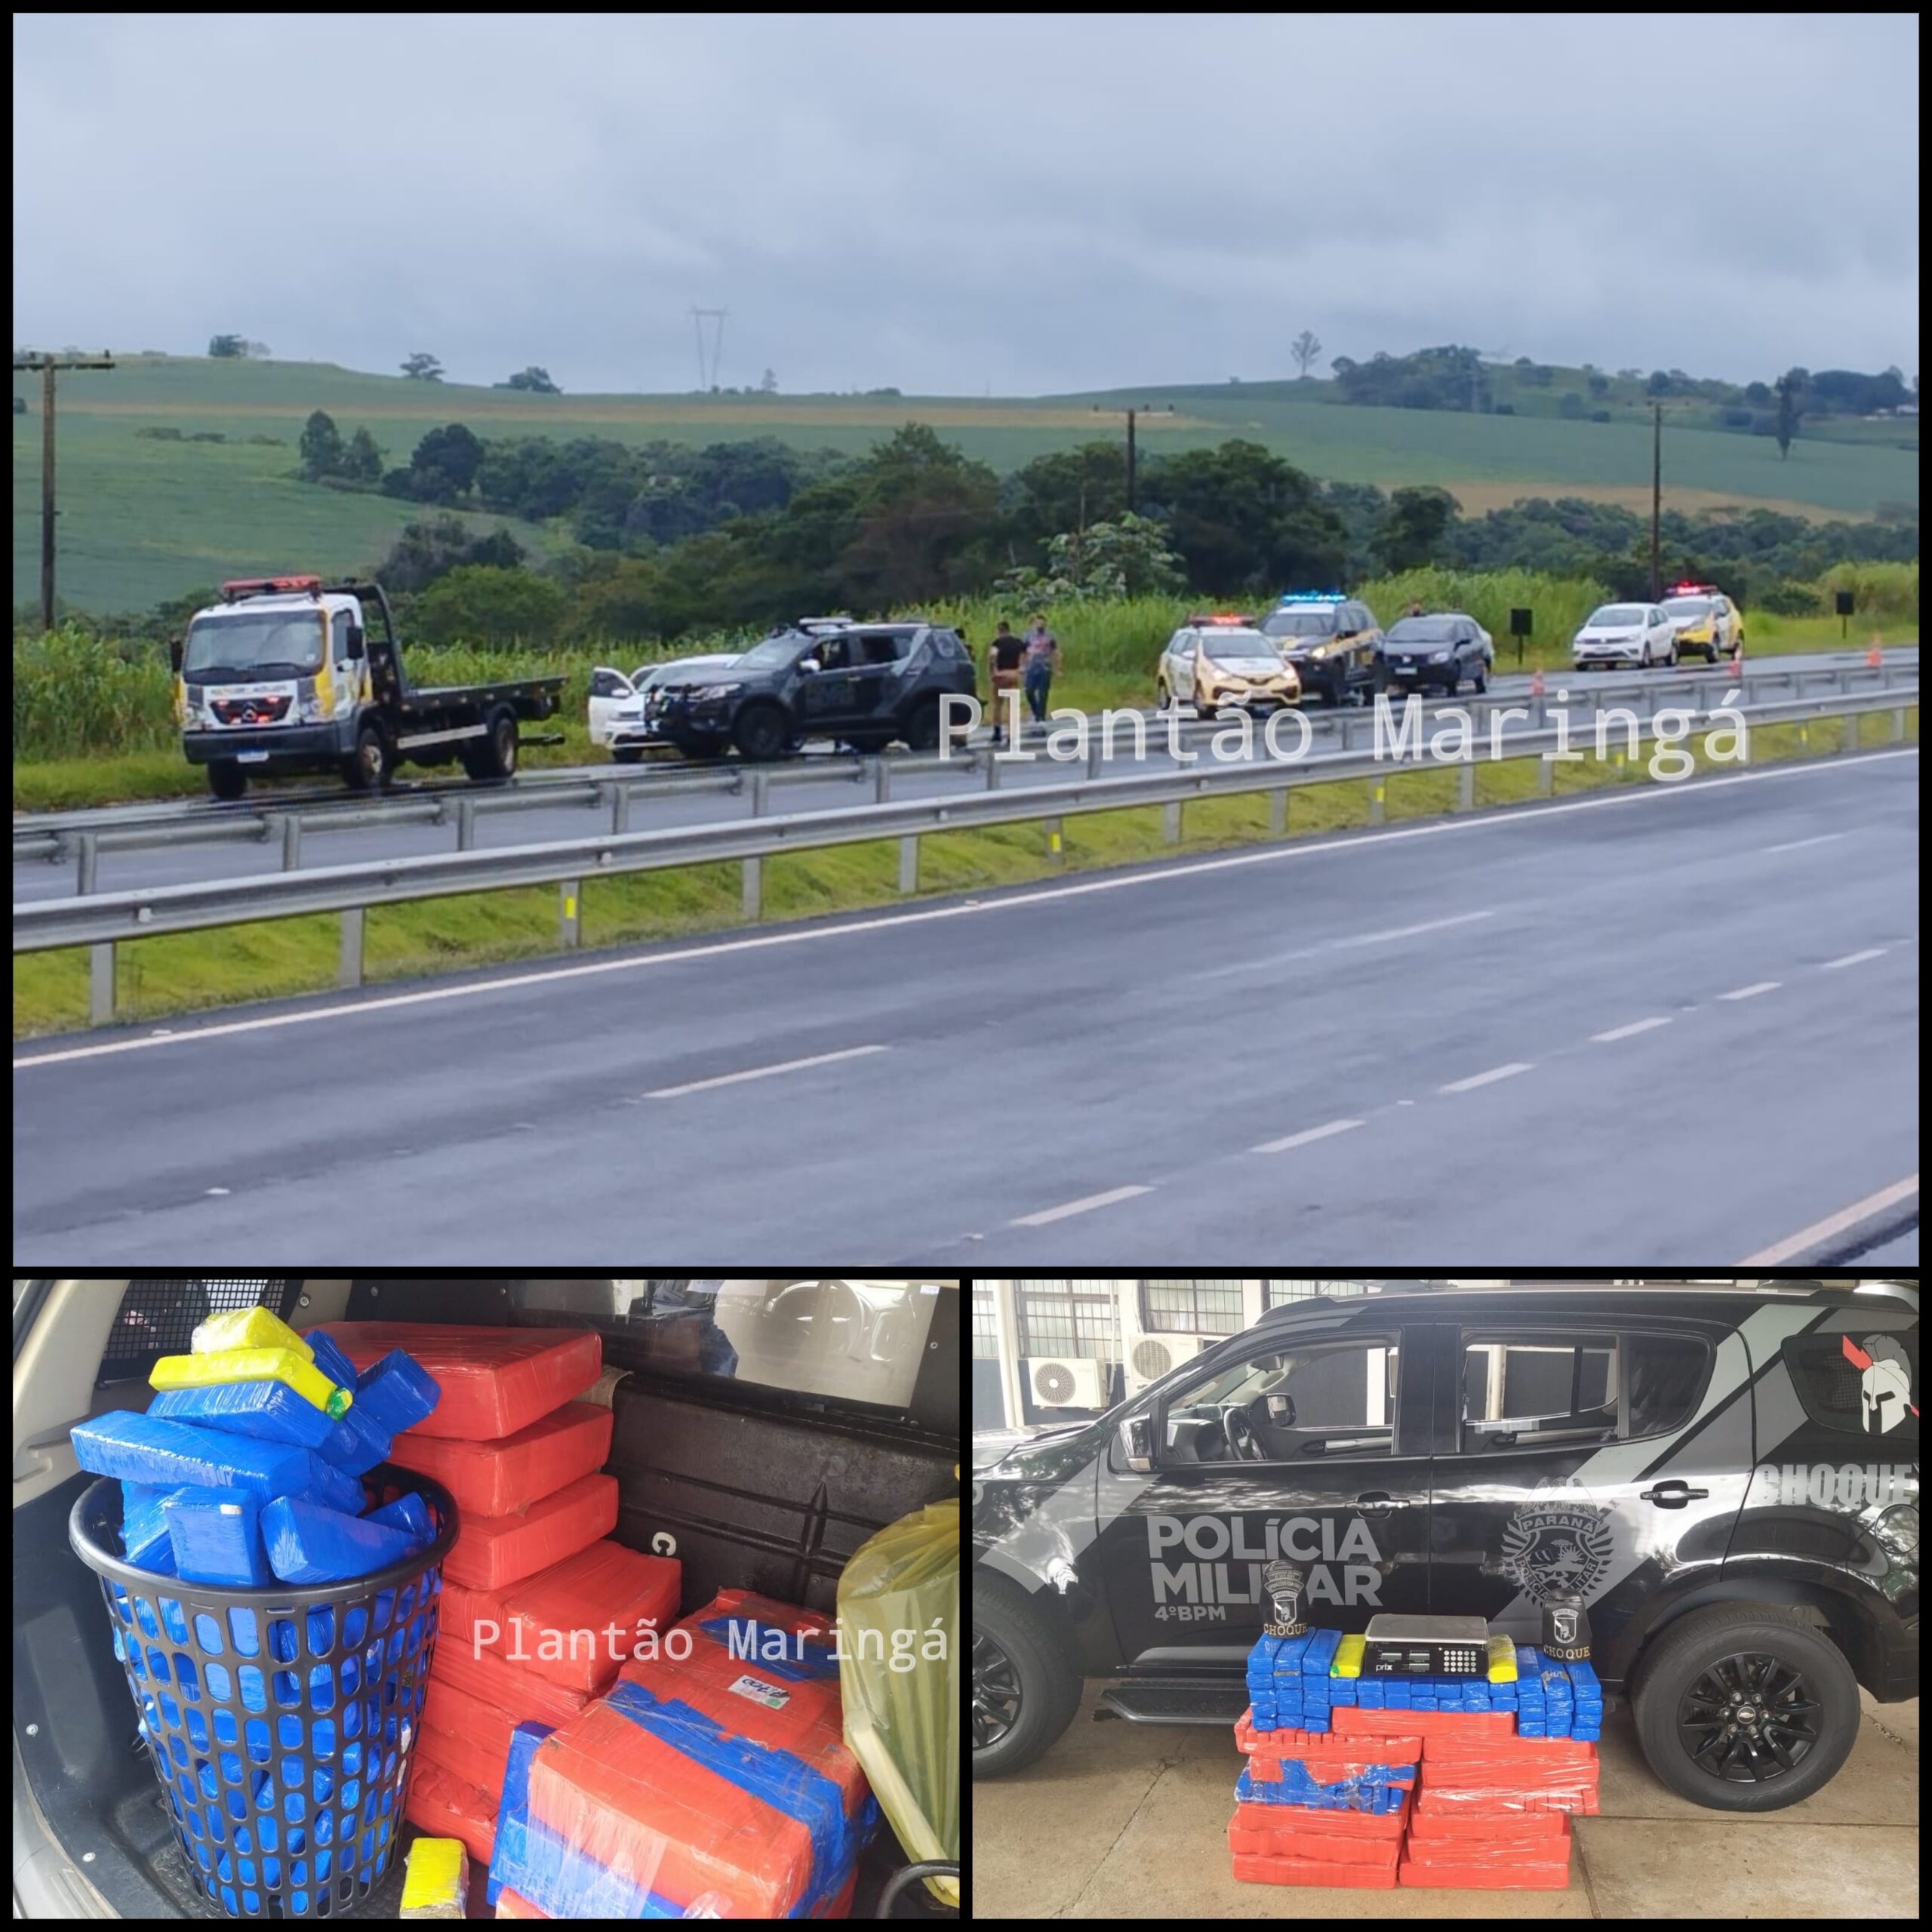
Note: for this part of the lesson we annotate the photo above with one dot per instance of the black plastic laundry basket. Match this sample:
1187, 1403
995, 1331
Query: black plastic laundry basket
281, 1721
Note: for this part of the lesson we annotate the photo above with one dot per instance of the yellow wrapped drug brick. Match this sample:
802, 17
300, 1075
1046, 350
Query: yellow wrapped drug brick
435, 1879
252, 1365
1349, 1654
1501, 1660
248, 1328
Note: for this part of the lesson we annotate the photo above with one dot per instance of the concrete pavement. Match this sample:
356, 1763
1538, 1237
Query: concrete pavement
1126, 1821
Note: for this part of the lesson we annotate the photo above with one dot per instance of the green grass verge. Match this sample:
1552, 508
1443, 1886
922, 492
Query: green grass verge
191, 971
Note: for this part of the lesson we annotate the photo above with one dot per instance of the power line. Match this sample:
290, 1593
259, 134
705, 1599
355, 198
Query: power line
46, 364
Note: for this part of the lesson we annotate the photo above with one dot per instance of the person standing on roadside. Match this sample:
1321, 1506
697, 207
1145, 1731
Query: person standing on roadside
1042, 661
1003, 657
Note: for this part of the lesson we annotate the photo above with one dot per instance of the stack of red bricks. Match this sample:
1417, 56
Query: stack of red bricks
1324, 1810
1493, 1813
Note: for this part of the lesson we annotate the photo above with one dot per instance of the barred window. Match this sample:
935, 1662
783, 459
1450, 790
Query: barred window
1068, 1318
984, 1342
1190, 1308
1278, 1294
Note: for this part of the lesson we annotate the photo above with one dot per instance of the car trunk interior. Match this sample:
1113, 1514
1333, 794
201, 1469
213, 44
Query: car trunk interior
749, 1486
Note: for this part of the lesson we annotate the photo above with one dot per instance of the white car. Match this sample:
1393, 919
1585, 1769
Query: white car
1213, 661
1638, 635
616, 704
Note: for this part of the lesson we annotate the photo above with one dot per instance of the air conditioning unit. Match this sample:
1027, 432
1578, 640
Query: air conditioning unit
1067, 1385
1150, 1357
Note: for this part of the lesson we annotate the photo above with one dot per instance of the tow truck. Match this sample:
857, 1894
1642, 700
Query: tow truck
288, 674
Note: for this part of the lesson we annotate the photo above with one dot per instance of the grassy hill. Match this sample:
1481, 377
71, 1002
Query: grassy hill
142, 518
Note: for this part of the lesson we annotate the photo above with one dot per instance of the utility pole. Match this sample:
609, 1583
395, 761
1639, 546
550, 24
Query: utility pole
716, 318
1143, 409
46, 364
1657, 494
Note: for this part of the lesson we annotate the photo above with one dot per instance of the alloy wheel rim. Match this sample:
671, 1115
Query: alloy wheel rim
1749, 1719
995, 1692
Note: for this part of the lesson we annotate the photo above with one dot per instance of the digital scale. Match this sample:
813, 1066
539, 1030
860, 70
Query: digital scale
1426, 1647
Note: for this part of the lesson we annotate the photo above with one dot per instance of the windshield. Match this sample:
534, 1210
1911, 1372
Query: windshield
773, 652
1301, 623
1616, 618
1423, 630
858, 1341
1688, 606
1229, 647
254, 644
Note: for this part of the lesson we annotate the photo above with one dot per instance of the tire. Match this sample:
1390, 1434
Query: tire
1206, 713
628, 753
494, 754
1481, 680
1164, 699
1453, 682
921, 728
1710, 653
226, 779
1014, 1644
371, 767
1712, 1651
761, 733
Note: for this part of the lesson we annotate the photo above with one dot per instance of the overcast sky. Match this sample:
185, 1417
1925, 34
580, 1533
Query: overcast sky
1022, 204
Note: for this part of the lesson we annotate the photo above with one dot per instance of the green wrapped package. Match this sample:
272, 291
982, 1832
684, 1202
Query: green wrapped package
899, 1602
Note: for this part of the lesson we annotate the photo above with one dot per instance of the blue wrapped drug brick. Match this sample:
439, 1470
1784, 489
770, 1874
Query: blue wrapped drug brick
160, 1452
398, 1392
409, 1513
1587, 1726
144, 1530
355, 1442
269, 1410
217, 1536
1376, 1788
307, 1544
330, 1360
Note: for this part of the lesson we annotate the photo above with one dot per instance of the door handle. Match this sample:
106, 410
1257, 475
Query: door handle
1672, 1494
1375, 1502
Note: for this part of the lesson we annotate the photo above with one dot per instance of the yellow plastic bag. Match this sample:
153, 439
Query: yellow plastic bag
248, 1328
435, 1879
252, 1365
899, 1675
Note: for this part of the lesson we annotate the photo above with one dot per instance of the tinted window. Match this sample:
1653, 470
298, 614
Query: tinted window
1862, 1385
1319, 622
1337, 1398
1423, 630
1663, 1377
1517, 1388
1230, 647
605, 684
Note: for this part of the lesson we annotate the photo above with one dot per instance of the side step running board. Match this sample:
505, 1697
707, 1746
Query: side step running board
1182, 1701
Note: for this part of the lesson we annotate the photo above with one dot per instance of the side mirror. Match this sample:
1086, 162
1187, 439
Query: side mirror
174, 654
1136, 1443
1281, 1411
808, 664
356, 645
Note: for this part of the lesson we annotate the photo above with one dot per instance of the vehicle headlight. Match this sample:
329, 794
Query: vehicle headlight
310, 710
1898, 1529
715, 691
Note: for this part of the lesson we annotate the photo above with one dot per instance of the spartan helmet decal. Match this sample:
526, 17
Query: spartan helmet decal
1884, 1381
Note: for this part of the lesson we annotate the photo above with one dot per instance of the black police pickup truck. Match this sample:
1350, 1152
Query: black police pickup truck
860, 684
1727, 1476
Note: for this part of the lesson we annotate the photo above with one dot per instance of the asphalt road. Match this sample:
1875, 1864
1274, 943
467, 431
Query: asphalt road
123, 871
1676, 1025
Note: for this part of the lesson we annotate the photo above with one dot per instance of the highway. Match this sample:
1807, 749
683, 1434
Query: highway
1676, 1025
132, 869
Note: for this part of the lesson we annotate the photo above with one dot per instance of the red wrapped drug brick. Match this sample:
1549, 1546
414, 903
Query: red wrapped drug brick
1301, 1841
514, 1687
1390, 1747
491, 1478
490, 1551
1508, 1878
494, 1381
445, 1806
508, 1905
1263, 1821
1262, 1871
1347, 1721
1458, 1827
467, 1735
560, 1621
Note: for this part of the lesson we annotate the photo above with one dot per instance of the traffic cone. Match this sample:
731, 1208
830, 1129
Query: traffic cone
1875, 656
1536, 683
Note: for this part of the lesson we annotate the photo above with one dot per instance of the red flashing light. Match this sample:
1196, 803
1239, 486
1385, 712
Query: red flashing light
250, 586
1693, 590
1221, 617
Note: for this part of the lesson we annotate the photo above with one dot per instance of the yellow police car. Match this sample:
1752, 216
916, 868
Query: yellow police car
1704, 620
1222, 659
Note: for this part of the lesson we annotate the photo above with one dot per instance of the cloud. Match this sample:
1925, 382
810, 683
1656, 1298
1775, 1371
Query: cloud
1036, 203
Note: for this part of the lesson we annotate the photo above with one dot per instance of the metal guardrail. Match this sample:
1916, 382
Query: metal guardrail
79, 838
100, 920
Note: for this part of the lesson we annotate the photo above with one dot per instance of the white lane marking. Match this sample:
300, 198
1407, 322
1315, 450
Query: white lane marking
1307, 1134
1796, 1244
1085, 1206
1352, 940
760, 1072
1855, 958
1799, 845
1751, 992
1515, 1066
1635, 1026
1118, 882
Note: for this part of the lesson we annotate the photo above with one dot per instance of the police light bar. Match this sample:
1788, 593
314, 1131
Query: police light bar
1220, 617
1313, 596
1692, 590
255, 587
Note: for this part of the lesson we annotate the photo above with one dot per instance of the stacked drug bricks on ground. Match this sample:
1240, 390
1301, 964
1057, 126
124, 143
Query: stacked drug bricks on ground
1440, 1782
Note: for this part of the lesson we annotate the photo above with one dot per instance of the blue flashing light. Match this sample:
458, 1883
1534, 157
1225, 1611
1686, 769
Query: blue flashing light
1313, 596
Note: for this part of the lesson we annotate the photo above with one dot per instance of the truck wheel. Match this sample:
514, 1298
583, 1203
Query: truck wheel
371, 767
921, 730
226, 779
1025, 1691
1745, 1707
761, 733
628, 753
493, 756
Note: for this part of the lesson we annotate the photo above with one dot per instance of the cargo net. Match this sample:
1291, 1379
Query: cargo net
158, 1315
